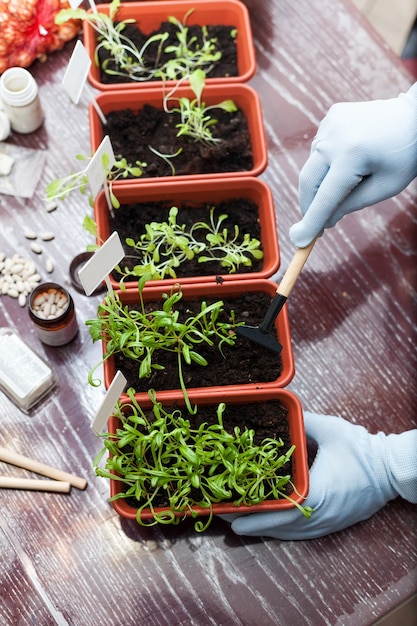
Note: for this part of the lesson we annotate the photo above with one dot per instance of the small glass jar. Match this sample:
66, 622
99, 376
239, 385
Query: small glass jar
20, 100
51, 308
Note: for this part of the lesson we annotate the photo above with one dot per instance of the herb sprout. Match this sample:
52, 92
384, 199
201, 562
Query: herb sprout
60, 188
164, 246
188, 53
127, 61
139, 334
162, 454
196, 119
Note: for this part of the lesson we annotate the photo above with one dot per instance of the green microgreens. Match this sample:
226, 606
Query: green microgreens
164, 246
161, 249
126, 60
188, 53
139, 334
226, 248
159, 453
125, 56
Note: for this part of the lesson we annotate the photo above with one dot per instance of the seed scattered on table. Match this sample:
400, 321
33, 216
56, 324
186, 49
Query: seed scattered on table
29, 234
47, 236
36, 248
50, 206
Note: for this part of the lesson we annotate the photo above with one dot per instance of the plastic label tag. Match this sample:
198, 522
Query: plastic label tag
101, 263
76, 72
96, 172
110, 399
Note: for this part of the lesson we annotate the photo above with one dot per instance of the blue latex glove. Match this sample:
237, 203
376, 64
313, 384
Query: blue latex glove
363, 153
353, 475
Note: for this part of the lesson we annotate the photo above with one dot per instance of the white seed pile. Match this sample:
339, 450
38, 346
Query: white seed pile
18, 277
50, 304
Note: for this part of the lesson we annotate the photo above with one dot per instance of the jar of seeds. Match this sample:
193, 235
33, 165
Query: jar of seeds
51, 308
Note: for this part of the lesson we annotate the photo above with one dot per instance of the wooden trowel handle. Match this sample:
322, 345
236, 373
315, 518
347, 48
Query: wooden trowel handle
285, 286
294, 270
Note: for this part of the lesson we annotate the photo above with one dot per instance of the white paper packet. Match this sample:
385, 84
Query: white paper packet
28, 164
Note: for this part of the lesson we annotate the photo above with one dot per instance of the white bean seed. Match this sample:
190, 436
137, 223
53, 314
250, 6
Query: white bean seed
29, 234
35, 248
34, 278
47, 236
51, 206
17, 268
49, 266
22, 299
13, 293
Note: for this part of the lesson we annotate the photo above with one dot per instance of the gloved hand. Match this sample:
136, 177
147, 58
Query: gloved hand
363, 153
353, 475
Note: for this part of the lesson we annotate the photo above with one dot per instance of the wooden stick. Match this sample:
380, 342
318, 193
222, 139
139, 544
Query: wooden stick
34, 484
40, 468
294, 269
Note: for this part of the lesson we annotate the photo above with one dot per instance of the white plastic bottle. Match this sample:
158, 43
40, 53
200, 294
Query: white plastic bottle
20, 100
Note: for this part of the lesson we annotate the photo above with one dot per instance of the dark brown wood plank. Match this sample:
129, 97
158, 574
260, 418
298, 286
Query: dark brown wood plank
71, 559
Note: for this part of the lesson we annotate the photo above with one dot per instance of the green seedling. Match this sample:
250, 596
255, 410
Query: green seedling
188, 53
196, 119
164, 246
139, 334
168, 158
124, 54
60, 188
230, 250
127, 61
159, 453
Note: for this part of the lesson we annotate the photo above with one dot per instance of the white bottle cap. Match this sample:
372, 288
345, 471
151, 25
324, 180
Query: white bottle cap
18, 87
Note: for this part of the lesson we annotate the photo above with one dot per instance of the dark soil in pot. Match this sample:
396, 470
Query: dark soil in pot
226, 44
132, 133
243, 363
267, 419
130, 220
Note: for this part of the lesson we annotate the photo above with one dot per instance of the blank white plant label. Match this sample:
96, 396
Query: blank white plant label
76, 72
103, 261
96, 172
112, 396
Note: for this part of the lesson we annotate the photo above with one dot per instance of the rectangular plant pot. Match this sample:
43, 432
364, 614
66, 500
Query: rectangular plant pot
195, 194
149, 16
245, 98
276, 370
299, 461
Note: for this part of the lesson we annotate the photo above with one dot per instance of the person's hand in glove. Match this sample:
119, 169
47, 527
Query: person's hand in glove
353, 475
363, 153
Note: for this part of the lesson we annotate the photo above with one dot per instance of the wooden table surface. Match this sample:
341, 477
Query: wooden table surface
70, 559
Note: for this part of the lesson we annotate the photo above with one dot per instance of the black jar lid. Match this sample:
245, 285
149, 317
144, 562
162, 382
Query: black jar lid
76, 264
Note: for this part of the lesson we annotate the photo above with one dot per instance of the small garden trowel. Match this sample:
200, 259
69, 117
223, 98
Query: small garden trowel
262, 334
